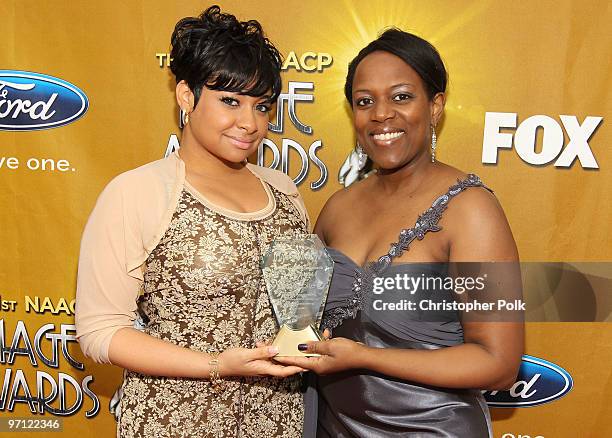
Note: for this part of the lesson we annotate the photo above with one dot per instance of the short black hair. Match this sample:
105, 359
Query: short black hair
414, 51
218, 52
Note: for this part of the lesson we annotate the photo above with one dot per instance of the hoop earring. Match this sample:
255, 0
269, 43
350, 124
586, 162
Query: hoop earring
434, 140
183, 118
362, 157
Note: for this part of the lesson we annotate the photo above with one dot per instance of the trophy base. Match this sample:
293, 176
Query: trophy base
288, 339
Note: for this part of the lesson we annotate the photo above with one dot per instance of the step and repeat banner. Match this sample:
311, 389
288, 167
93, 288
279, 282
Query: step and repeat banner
86, 93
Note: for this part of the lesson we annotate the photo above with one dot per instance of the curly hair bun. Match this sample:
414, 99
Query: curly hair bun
220, 52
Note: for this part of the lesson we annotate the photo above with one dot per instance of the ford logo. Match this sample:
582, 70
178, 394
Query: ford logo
539, 382
31, 101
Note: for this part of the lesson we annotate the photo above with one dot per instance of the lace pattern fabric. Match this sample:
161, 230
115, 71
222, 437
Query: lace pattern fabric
203, 290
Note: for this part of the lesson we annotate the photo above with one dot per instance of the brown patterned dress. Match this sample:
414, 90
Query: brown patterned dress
203, 290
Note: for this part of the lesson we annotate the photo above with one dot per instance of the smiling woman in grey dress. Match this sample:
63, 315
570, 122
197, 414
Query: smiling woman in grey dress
406, 373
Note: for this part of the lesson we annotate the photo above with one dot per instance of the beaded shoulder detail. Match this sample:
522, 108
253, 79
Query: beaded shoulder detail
426, 222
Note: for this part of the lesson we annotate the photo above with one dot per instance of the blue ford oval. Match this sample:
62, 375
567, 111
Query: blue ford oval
31, 101
538, 382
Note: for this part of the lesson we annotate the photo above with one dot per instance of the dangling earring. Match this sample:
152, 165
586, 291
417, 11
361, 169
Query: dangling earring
362, 157
183, 118
433, 144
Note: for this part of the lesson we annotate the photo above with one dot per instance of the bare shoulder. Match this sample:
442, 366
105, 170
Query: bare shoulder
338, 204
348, 195
477, 205
478, 228
474, 221
475, 199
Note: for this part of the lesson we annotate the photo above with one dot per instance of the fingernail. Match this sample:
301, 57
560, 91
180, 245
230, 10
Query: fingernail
302, 347
273, 350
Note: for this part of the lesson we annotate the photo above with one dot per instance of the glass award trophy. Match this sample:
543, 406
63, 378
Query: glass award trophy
297, 271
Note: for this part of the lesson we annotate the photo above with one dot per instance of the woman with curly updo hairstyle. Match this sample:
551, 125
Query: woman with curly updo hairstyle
217, 51
169, 284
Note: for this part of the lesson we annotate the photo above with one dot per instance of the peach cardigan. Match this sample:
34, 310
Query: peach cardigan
130, 217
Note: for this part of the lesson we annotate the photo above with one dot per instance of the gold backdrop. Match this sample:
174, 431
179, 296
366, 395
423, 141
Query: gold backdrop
548, 58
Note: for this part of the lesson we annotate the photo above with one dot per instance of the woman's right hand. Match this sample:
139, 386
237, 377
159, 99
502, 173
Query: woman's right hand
254, 362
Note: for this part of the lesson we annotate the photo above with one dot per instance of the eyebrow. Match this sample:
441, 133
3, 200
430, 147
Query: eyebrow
266, 97
403, 84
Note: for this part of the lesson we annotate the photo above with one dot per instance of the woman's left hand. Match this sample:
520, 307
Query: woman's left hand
337, 354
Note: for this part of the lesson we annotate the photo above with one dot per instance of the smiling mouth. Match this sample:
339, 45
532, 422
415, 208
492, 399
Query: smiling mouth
241, 142
387, 136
